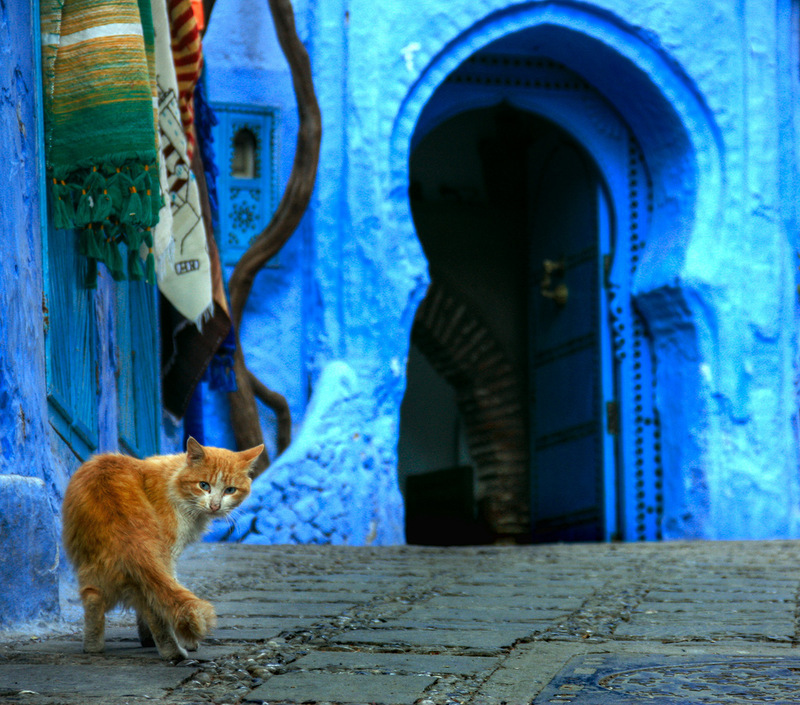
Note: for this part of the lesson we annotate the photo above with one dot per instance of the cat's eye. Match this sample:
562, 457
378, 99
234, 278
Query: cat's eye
230, 490
204, 486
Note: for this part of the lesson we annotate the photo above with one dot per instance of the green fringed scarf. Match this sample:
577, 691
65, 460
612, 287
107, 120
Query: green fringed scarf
101, 128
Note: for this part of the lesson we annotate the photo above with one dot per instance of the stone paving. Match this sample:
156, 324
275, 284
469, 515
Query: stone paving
711, 623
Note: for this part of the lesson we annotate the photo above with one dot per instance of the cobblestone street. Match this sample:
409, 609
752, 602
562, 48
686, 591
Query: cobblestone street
584, 624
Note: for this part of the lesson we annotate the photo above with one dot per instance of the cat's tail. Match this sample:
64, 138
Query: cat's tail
190, 617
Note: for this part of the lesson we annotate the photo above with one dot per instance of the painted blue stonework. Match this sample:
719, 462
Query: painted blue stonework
246, 71
335, 484
709, 95
29, 570
29, 478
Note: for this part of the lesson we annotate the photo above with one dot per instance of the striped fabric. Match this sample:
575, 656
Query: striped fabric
184, 267
101, 126
188, 59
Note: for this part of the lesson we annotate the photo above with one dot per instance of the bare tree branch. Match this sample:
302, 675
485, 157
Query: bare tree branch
277, 402
293, 204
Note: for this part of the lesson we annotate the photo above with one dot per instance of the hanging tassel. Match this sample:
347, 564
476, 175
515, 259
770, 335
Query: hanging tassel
91, 274
83, 215
135, 267
102, 206
146, 188
118, 185
94, 248
87, 242
150, 277
147, 207
133, 208
63, 212
141, 189
114, 262
98, 245
94, 181
61, 216
83, 241
133, 237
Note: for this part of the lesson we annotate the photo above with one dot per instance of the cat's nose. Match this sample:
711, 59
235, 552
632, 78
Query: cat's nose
214, 506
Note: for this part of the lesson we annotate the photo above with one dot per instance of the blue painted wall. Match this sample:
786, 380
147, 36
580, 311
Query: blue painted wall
245, 67
29, 477
710, 94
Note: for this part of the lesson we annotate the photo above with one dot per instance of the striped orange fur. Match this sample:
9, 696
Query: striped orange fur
126, 521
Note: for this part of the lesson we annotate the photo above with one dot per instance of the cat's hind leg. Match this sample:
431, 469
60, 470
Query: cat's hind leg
145, 635
94, 620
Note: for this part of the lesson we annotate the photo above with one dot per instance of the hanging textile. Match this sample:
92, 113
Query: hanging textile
186, 349
184, 268
188, 59
101, 144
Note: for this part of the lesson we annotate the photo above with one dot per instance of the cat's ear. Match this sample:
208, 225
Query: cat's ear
251, 455
194, 452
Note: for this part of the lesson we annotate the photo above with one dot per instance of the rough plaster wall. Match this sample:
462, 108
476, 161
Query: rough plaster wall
338, 482
707, 90
35, 463
734, 399
28, 479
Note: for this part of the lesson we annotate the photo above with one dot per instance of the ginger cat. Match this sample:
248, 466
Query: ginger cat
126, 521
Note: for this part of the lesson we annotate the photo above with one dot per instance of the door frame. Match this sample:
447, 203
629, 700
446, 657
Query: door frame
633, 475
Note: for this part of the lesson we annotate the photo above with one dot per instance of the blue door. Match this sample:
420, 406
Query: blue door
566, 367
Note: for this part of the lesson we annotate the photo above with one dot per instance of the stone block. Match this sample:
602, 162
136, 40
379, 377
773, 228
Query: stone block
408, 663
341, 688
91, 681
483, 640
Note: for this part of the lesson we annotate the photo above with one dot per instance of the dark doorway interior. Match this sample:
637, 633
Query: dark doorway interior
480, 193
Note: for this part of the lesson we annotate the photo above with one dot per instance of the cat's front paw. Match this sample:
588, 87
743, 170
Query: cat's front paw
194, 620
190, 644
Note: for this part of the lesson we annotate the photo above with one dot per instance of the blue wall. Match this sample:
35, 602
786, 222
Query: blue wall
710, 94
28, 477
274, 321
338, 481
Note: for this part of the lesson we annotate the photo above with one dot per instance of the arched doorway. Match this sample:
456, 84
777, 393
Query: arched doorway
664, 217
536, 245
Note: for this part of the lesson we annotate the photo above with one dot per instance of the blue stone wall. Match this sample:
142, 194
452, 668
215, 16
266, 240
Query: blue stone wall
28, 476
710, 93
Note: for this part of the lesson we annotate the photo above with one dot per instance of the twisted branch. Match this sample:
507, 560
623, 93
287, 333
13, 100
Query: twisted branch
244, 415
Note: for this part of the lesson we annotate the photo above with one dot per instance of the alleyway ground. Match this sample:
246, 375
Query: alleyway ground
583, 624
